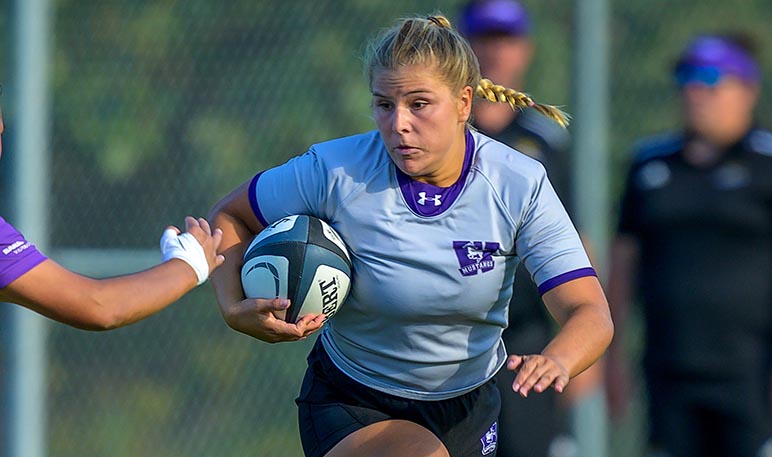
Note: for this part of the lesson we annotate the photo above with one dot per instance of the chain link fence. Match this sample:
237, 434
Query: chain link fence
161, 107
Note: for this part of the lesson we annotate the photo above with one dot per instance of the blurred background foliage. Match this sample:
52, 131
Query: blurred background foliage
160, 107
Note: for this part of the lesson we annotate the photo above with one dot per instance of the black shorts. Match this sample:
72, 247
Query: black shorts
331, 406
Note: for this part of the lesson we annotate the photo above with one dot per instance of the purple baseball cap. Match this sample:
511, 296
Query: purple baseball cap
484, 17
708, 58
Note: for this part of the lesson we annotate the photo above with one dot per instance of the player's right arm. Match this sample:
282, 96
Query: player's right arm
259, 318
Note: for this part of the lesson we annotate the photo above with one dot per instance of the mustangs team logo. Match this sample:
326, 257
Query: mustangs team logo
475, 256
490, 439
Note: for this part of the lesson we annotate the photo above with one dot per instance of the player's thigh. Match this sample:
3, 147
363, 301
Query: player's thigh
390, 438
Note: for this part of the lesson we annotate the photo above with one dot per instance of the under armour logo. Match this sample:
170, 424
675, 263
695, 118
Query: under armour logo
423, 198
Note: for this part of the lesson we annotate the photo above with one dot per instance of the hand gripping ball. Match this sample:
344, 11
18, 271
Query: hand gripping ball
301, 258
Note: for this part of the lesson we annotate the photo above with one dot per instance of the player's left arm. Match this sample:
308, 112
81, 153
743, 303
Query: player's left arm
580, 308
590, 380
103, 304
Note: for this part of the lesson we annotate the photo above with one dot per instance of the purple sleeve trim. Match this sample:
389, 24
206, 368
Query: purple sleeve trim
21, 267
253, 200
550, 284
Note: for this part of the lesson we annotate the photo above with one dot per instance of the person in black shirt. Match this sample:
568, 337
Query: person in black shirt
499, 32
695, 237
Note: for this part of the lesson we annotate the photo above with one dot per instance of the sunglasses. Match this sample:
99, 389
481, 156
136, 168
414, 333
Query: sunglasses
692, 74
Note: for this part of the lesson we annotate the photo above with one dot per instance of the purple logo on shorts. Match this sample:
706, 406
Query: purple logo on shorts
489, 439
475, 256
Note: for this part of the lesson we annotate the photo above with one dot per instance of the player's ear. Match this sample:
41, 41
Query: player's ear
465, 103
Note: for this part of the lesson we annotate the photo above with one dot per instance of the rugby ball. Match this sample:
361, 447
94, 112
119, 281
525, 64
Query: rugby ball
301, 258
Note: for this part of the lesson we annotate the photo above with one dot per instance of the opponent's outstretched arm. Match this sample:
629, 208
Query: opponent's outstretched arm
103, 304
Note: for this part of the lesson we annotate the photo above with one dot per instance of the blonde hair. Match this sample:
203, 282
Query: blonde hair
433, 42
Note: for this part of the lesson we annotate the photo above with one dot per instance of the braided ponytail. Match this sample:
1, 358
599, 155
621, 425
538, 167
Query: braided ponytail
495, 93
433, 41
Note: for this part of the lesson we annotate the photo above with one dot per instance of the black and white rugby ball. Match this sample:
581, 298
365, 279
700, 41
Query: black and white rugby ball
301, 258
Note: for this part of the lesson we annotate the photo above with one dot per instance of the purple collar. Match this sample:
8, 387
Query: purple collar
428, 200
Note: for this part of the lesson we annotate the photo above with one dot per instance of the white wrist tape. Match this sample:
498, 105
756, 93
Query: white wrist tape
185, 247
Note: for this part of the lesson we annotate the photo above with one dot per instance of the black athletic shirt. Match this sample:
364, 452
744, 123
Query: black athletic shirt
544, 140
706, 255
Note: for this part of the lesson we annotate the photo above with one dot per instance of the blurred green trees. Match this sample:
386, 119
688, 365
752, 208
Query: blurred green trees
160, 107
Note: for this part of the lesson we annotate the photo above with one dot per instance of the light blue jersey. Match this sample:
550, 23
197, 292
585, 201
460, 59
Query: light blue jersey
433, 267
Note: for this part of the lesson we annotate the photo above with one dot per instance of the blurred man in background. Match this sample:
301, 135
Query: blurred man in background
695, 240
499, 32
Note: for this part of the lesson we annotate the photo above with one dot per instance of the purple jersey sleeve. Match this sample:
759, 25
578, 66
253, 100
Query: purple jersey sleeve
17, 255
